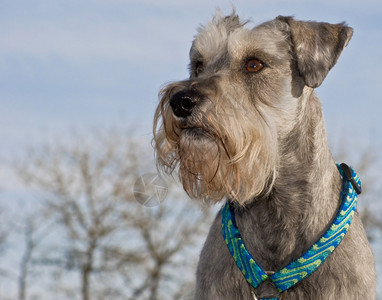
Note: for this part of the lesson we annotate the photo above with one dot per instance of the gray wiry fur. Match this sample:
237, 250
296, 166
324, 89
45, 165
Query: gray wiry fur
259, 139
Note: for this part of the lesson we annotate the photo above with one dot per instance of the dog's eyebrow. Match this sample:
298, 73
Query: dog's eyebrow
195, 55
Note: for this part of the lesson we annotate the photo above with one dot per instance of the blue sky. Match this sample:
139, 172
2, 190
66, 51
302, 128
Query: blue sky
81, 64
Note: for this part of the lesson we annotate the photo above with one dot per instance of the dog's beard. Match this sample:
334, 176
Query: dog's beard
221, 156
200, 166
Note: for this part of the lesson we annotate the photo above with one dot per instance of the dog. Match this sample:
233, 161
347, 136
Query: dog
247, 127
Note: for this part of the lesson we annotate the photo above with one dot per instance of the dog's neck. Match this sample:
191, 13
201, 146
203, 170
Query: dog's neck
304, 198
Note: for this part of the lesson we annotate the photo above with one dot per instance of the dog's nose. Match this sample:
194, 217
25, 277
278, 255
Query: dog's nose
182, 104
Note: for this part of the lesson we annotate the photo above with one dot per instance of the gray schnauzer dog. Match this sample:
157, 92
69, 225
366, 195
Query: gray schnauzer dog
248, 127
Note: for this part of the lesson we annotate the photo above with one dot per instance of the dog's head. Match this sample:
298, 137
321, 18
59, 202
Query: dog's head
222, 127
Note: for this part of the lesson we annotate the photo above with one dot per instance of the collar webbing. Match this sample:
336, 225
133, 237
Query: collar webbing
311, 260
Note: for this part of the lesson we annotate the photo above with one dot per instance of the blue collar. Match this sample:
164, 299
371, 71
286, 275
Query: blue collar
312, 259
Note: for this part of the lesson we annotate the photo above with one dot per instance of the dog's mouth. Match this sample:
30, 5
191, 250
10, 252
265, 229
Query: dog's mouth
195, 132
201, 137
193, 129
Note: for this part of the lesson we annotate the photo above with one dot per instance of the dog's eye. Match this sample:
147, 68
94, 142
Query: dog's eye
199, 68
254, 65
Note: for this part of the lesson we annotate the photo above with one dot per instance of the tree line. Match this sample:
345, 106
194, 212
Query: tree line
84, 230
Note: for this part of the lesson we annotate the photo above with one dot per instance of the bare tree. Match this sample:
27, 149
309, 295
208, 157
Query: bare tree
119, 247
367, 164
34, 231
166, 231
4, 232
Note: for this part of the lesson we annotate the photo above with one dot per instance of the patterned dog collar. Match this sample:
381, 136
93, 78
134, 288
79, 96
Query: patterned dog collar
311, 260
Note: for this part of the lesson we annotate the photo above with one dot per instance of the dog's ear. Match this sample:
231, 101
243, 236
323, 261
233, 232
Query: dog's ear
317, 47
